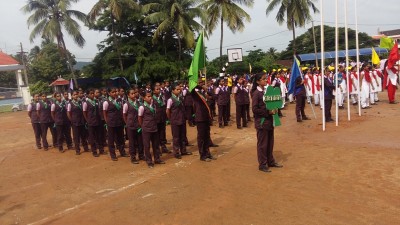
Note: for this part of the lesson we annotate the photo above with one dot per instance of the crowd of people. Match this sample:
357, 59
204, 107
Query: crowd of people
103, 117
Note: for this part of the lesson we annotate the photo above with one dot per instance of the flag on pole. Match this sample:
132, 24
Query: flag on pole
393, 56
375, 58
250, 68
386, 42
198, 63
295, 73
71, 85
135, 77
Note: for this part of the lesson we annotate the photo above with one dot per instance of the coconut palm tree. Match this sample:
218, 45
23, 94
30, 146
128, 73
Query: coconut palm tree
116, 8
228, 11
176, 17
50, 17
296, 13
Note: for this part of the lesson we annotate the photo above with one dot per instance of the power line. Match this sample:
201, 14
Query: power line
371, 25
248, 41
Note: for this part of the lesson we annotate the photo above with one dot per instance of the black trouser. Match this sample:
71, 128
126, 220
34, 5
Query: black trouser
265, 147
228, 110
161, 128
44, 127
223, 114
247, 109
153, 138
67, 135
189, 114
211, 105
63, 132
300, 105
103, 132
135, 143
37, 130
178, 138
327, 109
116, 135
78, 133
203, 139
95, 140
241, 116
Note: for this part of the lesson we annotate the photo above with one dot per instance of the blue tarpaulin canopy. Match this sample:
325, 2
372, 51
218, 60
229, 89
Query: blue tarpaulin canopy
341, 53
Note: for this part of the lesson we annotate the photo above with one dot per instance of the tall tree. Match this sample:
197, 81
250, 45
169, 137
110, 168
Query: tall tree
50, 17
116, 8
174, 17
296, 13
228, 11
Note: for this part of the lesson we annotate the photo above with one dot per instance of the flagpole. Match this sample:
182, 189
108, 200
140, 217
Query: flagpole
358, 61
347, 59
336, 62
322, 67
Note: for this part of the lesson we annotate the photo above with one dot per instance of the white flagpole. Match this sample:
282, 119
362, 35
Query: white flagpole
322, 67
347, 59
337, 91
358, 61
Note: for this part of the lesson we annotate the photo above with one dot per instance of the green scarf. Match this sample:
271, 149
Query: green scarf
149, 107
161, 103
117, 105
133, 104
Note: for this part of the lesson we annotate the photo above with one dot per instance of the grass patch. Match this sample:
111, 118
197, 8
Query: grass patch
5, 108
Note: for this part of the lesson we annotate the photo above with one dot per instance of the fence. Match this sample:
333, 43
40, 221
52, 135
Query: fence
10, 100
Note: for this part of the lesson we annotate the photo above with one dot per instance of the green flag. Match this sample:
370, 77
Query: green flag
386, 42
198, 63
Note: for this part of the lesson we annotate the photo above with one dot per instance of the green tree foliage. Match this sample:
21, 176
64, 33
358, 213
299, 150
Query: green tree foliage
258, 59
114, 10
225, 11
50, 17
294, 12
8, 79
305, 42
174, 17
39, 87
48, 64
138, 52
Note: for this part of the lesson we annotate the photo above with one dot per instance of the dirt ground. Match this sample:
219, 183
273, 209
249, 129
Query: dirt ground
349, 174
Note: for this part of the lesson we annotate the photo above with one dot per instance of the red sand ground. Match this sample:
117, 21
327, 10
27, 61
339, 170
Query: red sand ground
348, 174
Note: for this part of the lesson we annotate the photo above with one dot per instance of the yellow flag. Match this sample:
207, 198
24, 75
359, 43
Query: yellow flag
250, 67
375, 58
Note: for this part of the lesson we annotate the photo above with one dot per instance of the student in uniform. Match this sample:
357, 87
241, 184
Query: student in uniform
102, 97
148, 123
130, 114
35, 120
211, 97
43, 110
223, 96
176, 115
300, 93
239, 93
328, 95
112, 110
203, 120
366, 86
247, 101
161, 117
91, 113
67, 136
188, 102
75, 115
263, 124
59, 115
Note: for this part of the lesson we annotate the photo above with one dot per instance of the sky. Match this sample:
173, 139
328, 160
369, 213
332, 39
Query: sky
263, 32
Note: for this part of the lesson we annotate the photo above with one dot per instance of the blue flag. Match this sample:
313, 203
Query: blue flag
295, 73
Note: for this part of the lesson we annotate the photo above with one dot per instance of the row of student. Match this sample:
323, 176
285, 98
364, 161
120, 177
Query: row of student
142, 127
368, 84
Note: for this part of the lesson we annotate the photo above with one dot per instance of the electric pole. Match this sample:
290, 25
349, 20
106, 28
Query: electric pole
22, 53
